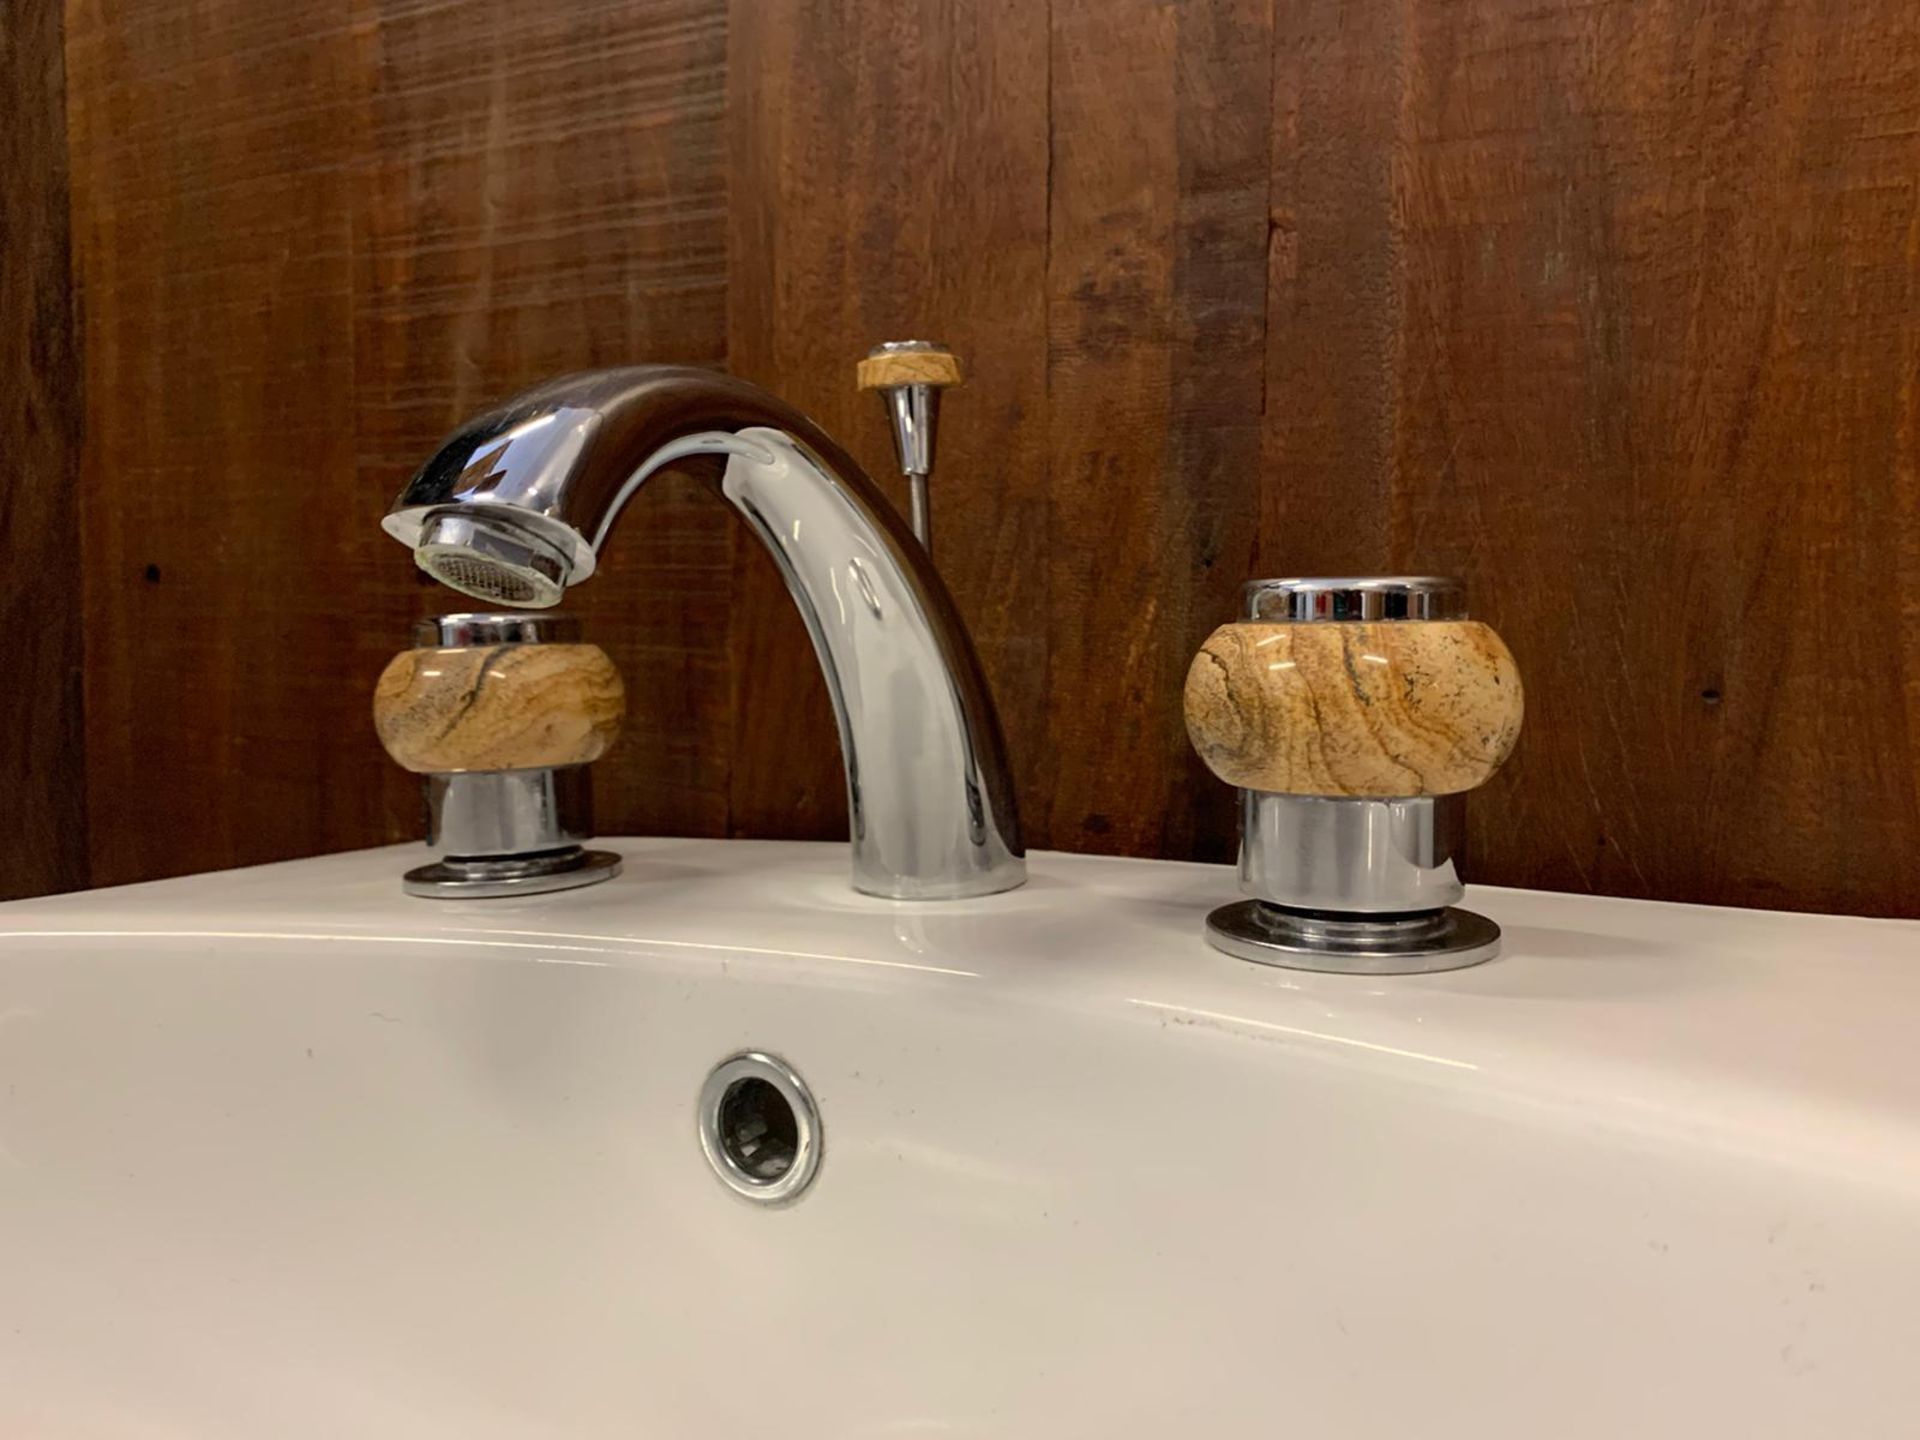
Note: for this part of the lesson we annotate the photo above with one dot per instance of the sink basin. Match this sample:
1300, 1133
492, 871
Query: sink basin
284, 1152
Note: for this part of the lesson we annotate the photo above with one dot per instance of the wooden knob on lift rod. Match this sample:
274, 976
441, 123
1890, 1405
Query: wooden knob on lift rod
910, 374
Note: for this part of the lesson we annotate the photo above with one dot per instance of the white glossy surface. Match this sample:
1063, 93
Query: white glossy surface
285, 1153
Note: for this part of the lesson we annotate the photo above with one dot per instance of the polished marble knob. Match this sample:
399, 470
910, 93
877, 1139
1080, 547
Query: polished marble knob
1364, 708
451, 709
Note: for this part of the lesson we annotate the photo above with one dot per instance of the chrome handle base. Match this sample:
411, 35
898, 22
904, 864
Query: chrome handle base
473, 879
1352, 886
1349, 855
509, 832
1417, 944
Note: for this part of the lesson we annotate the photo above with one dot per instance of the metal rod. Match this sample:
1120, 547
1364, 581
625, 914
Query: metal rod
909, 376
921, 510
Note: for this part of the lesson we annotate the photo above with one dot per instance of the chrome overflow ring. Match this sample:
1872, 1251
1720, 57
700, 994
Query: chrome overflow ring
760, 1128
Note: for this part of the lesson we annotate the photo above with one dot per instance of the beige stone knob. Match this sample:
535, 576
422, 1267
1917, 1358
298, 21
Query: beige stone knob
445, 710
1375, 709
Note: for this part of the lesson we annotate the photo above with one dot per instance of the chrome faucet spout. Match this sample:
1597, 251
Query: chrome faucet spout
519, 503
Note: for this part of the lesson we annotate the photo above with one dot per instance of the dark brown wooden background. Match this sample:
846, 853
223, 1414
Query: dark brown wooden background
1613, 308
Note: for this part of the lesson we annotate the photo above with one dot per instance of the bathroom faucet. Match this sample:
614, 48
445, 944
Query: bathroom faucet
518, 504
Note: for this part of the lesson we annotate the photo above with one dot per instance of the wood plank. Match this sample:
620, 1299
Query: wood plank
230, 582
890, 167
1653, 284
43, 758
545, 193
1334, 316
1156, 309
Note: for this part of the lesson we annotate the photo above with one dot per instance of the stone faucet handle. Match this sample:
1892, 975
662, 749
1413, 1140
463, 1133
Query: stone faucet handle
1353, 713
1376, 708
446, 710
502, 713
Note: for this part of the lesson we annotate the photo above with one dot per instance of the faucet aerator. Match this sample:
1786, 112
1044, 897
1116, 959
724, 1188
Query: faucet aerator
492, 559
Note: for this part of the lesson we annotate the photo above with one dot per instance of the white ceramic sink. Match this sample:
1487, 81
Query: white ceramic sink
284, 1153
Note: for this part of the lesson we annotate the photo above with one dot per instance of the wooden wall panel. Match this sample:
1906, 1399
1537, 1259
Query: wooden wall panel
889, 169
1642, 289
543, 192
1155, 305
310, 242
1335, 321
228, 570
42, 743
1613, 308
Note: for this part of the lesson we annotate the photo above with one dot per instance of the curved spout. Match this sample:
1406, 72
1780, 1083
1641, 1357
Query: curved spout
519, 503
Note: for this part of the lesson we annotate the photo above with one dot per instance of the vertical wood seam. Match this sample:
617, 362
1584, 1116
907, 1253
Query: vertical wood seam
40, 525
1037, 818
1266, 288
82, 816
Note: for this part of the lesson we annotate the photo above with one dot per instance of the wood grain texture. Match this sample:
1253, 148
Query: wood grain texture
213, 244
889, 169
447, 709
544, 192
1155, 294
907, 368
1335, 316
42, 742
310, 240
1380, 710
1651, 278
